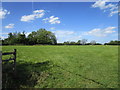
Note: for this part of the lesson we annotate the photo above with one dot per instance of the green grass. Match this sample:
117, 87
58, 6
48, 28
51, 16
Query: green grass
63, 67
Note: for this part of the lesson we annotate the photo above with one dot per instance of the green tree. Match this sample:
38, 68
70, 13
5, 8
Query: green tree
72, 43
113, 43
66, 43
78, 42
32, 39
11, 39
42, 36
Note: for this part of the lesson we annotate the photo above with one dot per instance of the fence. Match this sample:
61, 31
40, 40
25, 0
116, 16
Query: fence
14, 58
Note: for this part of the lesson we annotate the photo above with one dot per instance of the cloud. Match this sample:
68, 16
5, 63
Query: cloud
27, 33
66, 35
9, 26
38, 11
111, 8
101, 32
52, 20
61, 33
3, 37
3, 33
101, 4
113, 12
75, 38
3, 13
36, 14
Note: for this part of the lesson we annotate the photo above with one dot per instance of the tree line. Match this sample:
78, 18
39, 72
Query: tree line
93, 42
113, 43
41, 36
80, 42
44, 37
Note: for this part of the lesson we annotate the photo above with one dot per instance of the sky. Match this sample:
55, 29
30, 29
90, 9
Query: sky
69, 21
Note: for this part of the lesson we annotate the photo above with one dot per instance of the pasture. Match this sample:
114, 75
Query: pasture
63, 67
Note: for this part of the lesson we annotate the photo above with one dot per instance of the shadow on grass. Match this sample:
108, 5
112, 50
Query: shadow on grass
27, 74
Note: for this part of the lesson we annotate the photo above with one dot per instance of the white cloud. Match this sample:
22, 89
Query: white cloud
101, 32
61, 33
66, 35
27, 18
3, 33
36, 14
38, 11
3, 37
113, 12
52, 20
3, 13
112, 8
9, 26
100, 4
27, 33
75, 38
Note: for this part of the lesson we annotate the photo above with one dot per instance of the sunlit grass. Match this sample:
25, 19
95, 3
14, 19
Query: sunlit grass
66, 67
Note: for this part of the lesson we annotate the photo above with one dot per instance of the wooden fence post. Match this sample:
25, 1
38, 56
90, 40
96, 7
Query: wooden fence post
14, 58
15, 62
0, 70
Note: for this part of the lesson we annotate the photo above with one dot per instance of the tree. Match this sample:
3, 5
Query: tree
113, 43
93, 42
42, 36
11, 40
72, 43
83, 41
60, 43
32, 39
53, 39
21, 38
98, 44
66, 43
78, 42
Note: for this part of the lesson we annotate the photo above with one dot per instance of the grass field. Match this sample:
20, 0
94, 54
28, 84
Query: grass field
63, 67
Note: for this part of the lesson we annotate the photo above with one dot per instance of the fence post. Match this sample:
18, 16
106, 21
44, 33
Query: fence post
15, 62
0, 70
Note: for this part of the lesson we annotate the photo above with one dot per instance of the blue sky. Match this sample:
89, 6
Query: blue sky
69, 21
